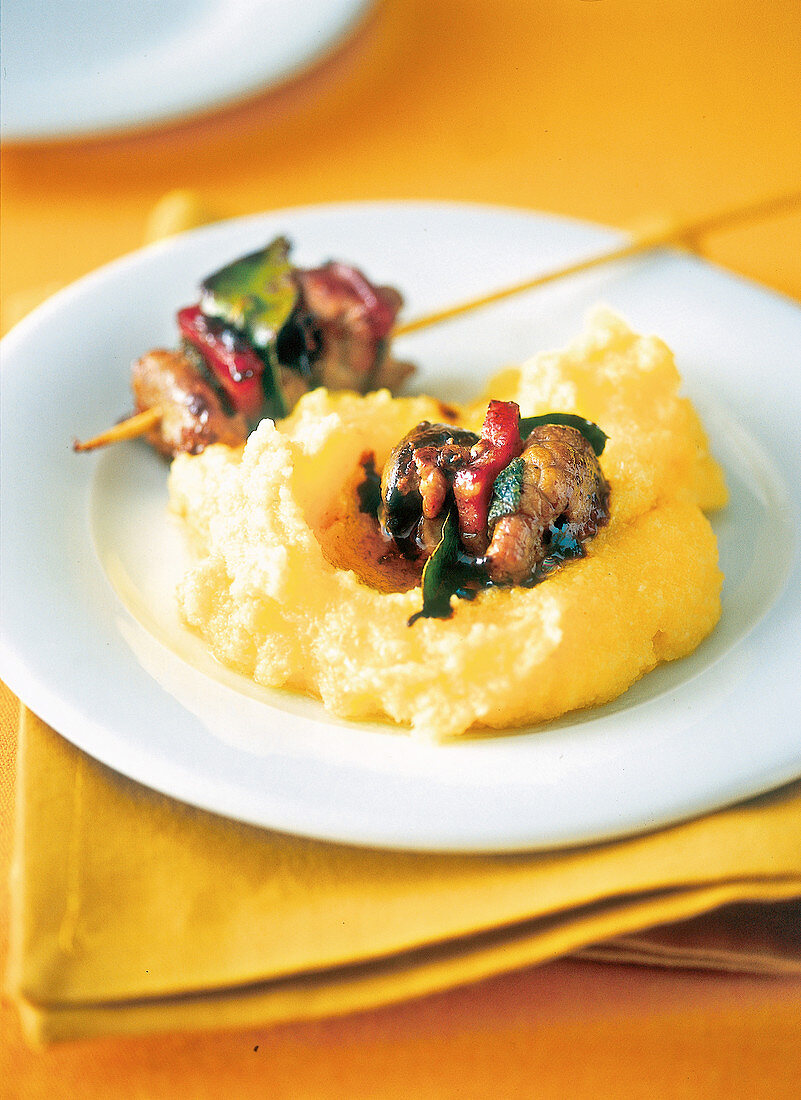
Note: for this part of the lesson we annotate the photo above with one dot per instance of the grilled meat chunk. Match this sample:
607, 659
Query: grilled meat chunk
353, 320
417, 478
562, 484
193, 415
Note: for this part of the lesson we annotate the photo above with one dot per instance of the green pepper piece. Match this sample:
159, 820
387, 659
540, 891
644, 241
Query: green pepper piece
255, 294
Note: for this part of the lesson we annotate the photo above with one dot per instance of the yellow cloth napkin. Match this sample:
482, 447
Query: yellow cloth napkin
134, 913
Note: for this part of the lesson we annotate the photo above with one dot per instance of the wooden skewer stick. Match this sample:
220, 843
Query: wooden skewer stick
651, 234
131, 428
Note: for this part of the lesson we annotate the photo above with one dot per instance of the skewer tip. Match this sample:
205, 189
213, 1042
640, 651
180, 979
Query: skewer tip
130, 428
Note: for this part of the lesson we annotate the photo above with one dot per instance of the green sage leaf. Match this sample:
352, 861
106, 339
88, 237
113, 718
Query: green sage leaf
441, 574
506, 491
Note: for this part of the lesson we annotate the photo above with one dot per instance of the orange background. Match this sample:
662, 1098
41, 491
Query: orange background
600, 109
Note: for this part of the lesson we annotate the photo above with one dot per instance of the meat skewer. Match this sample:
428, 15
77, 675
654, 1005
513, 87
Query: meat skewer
262, 334
336, 333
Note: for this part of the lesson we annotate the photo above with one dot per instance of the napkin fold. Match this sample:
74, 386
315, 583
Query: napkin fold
133, 913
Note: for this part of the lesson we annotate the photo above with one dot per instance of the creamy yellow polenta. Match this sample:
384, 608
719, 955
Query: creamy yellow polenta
286, 589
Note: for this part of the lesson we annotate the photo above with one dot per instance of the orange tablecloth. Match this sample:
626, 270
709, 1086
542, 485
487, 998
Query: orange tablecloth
604, 110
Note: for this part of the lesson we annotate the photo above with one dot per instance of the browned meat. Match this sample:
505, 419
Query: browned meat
562, 482
416, 480
192, 414
354, 319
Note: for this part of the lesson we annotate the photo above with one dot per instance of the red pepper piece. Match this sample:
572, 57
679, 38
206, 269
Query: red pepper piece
500, 442
235, 365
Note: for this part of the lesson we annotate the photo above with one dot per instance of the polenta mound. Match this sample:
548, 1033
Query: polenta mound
289, 586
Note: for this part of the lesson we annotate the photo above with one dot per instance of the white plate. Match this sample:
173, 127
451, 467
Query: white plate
77, 67
92, 643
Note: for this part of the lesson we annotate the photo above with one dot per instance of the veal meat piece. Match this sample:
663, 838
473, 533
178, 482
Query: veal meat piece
354, 319
562, 484
193, 416
416, 480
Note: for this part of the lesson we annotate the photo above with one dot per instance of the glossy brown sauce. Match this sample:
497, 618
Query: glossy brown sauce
351, 537
354, 540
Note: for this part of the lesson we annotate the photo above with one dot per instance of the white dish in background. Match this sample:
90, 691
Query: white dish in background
85, 67
90, 637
